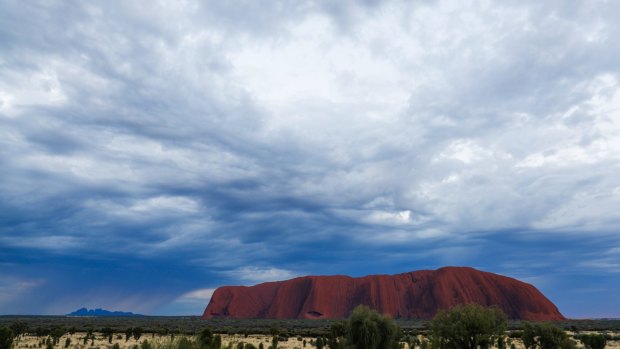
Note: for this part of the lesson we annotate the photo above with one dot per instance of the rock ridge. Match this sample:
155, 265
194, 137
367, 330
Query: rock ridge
412, 295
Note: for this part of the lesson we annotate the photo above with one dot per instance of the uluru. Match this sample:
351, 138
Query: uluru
412, 295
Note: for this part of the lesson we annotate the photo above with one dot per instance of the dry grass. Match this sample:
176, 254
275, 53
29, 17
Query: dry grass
163, 342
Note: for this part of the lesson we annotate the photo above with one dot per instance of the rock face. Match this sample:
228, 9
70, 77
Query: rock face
414, 295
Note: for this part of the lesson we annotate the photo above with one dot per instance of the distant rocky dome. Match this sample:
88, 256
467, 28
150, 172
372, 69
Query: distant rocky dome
414, 295
101, 312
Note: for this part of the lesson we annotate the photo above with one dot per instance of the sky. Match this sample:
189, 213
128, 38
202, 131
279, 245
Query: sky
153, 151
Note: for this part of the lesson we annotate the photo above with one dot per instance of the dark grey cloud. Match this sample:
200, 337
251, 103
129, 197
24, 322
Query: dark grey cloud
219, 137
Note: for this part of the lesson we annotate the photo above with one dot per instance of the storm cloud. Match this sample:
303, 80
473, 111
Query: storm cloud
150, 152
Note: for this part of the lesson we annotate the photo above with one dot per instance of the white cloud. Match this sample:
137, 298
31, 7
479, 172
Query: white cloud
234, 129
255, 275
198, 295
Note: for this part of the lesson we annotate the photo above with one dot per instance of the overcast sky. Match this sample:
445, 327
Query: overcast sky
153, 151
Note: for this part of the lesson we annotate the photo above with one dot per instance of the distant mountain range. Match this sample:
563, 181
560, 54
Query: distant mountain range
101, 312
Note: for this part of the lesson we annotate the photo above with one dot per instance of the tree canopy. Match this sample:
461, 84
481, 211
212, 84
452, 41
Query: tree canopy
468, 326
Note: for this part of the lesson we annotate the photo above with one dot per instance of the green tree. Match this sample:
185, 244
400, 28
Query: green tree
19, 328
67, 342
261, 346
468, 326
56, 333
274, 342
6, 338
337, 331
545, 336
217, 342
367, 329
107, 332
319, 343
206, 340
128, 333
593, 341
137, 332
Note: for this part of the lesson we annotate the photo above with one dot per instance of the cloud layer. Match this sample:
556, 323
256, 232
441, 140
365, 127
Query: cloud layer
198, 144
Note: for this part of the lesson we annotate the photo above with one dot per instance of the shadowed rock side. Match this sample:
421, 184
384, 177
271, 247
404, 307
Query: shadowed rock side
414, 295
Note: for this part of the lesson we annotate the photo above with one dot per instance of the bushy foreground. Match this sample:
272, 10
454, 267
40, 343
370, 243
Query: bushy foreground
462, 327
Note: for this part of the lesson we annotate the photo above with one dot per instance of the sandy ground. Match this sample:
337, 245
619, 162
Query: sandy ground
100, 342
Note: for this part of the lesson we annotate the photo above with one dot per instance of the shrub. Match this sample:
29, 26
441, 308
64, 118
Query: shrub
137, 332
468, 327
594, 341
184, 343
6, 338
19, 328
545, 336
412, 341
367, 329
146, 345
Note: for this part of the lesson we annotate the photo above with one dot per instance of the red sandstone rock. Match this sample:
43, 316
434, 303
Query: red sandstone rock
415, 295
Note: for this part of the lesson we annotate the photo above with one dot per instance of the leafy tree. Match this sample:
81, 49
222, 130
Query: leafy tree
545, 336
19, 328
319, 343
108, 332
274, 342
206, 340
137, 332
6, 338
217, 342
128, 333
468, 326
67, 342
337, 331
41, 332
593, 341
367, 329
501, 342
56, 333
